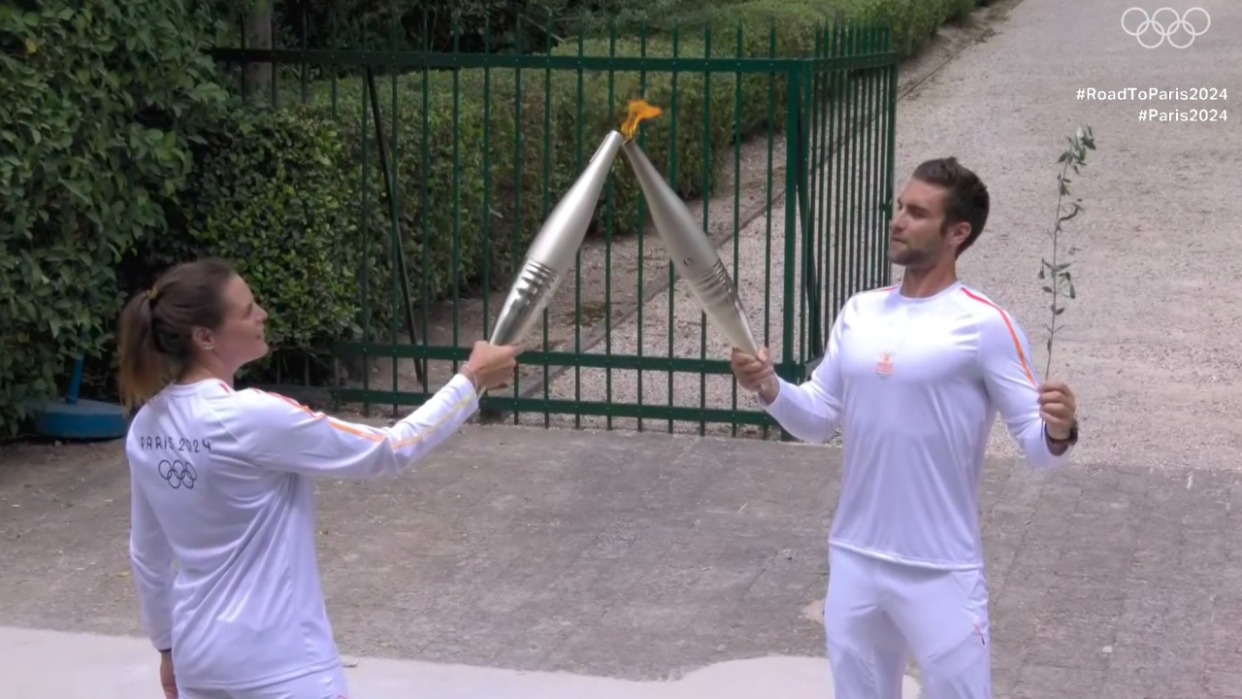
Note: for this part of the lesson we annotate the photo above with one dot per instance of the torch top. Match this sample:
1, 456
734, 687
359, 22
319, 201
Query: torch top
640, 111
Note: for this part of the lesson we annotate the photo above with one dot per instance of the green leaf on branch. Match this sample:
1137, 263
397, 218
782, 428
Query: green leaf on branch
1072, 158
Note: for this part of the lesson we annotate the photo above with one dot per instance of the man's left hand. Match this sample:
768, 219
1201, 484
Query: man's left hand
1058, 409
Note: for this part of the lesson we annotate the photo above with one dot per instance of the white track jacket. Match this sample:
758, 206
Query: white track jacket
222, 482
914, 385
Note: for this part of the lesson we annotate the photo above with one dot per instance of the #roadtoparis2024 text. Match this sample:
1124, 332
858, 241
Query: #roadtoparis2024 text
1154, 94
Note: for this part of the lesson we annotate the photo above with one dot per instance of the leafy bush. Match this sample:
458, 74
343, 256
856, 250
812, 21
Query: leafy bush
98, 104
275, 192
914, 22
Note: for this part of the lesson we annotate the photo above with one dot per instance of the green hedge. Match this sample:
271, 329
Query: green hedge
99, 104
275, 192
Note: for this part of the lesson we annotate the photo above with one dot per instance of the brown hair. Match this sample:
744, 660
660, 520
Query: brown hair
157, 326
967, 198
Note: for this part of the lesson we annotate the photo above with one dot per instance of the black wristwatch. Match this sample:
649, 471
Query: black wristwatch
1068, 441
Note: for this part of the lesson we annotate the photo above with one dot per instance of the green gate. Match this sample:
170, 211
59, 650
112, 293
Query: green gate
460, 156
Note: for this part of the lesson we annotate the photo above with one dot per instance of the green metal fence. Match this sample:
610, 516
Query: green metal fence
461, 156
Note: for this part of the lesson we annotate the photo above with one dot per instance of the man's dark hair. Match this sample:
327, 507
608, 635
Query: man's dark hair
967, 199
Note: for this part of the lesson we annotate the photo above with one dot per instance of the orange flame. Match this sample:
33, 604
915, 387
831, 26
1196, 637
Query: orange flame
640, 111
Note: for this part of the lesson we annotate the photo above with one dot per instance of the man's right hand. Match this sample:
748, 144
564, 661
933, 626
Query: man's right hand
489, 366
756, 374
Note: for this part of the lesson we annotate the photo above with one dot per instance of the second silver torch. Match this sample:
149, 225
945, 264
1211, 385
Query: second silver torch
692, 253
554, 247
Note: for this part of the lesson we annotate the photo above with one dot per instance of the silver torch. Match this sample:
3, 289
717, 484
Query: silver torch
687, 244
554, 248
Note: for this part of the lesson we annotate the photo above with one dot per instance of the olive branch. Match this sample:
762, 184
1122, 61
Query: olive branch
1058, 282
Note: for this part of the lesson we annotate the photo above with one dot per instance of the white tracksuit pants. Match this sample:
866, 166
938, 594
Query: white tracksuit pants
320, 685
878, 614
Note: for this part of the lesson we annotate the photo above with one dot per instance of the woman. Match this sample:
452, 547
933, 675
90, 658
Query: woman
221, 482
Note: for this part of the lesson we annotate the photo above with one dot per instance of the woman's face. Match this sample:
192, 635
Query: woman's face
240, 339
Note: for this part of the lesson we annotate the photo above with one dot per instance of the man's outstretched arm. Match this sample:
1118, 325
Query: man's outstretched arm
810, 411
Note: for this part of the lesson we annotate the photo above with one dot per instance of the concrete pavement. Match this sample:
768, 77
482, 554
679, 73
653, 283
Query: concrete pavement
118, 667
645, 558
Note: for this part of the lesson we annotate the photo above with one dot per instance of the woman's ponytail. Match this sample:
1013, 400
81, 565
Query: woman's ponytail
142, 364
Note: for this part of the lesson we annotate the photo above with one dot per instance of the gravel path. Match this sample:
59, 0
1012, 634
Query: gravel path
1147, 343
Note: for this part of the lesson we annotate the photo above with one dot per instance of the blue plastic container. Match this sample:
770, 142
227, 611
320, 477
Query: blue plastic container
74, 419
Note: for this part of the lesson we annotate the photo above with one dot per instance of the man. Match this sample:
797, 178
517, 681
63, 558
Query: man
914, 376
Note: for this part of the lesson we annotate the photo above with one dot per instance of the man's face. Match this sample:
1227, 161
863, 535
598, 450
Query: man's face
918, 237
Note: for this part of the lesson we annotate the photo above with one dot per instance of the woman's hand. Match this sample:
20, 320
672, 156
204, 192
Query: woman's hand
167, 679
489, 366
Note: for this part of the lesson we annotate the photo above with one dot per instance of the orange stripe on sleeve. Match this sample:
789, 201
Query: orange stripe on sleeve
320, 416
452, 413
396, 445
1012, 334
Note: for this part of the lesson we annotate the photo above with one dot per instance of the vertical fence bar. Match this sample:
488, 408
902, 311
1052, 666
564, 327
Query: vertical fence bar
793, 77
365, 288
642, 225
890, 148
608, 229
457, 242
302, 42
865, 203
547, 199
516, 253
882, 139
767, 248
840, 106
707, 201
851, 199
425, 208
672, 178
487, 178
399, 283
874, 154
737, 194
832, 251
335, 69
338, 264
809, 320
241, 73
809, 309
578, 255
860, 144
274, 72
822, 228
